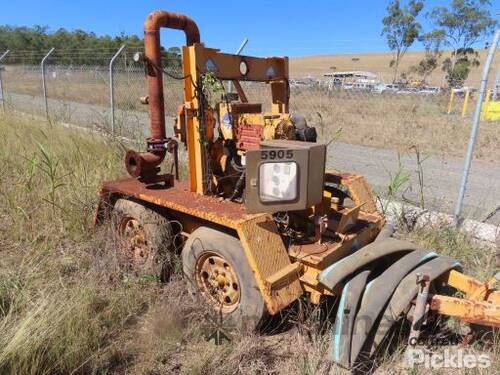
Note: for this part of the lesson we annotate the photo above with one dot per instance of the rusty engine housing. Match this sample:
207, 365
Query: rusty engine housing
242, 127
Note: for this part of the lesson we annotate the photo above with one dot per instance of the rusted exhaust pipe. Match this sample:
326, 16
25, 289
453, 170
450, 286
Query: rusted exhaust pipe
145, 165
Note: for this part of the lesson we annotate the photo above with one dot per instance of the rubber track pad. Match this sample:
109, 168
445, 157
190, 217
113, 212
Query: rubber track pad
407, 291
344, 321
347, 266
378, 293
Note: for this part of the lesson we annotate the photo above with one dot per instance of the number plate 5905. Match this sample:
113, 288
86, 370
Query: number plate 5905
276, 154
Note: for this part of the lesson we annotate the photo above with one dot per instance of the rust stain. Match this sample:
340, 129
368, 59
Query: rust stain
483, 313
267, 256
179, 198
494, 297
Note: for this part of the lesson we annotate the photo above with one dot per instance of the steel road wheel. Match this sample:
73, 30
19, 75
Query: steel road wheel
144, 239
137, 251
218, 281
217, 269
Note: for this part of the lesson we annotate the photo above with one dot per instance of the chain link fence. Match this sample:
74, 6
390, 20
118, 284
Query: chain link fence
79, 93
368, 111
366, 116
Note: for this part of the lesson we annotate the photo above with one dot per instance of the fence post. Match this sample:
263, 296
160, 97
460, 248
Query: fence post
242, 45
1, 83
450, 101
112, 87
475, 128
497, 84
44, 85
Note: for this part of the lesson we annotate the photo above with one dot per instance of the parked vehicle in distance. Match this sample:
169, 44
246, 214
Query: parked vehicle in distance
344, 81
363, 86
303, 82
393, 87
430, 90
379, 89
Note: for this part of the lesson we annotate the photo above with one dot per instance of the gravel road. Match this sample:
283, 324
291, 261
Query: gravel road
441, 178
441, 174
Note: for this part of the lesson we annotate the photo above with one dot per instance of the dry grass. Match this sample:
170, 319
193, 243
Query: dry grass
90, 87
391, 121
67, 307
63, 298
480, 260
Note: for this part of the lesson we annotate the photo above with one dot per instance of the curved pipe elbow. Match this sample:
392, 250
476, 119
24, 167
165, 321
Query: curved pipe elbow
160, 18
145, 165
152, 51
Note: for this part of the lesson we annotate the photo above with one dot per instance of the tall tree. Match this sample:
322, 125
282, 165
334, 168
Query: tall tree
462, 25
401, 29
432, 42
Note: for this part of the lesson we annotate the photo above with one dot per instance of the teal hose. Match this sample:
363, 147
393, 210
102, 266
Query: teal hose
346, 314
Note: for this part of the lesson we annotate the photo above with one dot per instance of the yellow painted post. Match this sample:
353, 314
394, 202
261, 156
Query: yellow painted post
486, 104
450, 103
466, 102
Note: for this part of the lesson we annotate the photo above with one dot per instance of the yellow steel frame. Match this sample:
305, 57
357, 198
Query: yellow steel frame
481, 303
478, 312
273, 70
276, 276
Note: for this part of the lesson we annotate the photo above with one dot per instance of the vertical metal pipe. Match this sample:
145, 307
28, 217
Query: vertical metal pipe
112, 87
44, 85
238, 51
1, 83
475, 128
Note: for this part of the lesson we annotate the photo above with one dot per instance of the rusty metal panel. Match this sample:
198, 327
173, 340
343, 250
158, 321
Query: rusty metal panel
474, 289
362, 193
494, 297
321, 255
227, 66
462, 282
358, 188
267, 255
179, 198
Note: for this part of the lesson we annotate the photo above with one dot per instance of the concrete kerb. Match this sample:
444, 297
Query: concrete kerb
415, 218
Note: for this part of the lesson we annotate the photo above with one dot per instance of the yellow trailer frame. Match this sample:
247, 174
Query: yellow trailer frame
282, 275
281, 278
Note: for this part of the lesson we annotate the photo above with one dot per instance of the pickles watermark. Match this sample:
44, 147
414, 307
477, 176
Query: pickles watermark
445, 358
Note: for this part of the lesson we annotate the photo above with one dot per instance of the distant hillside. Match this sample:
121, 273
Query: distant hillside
379, 63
